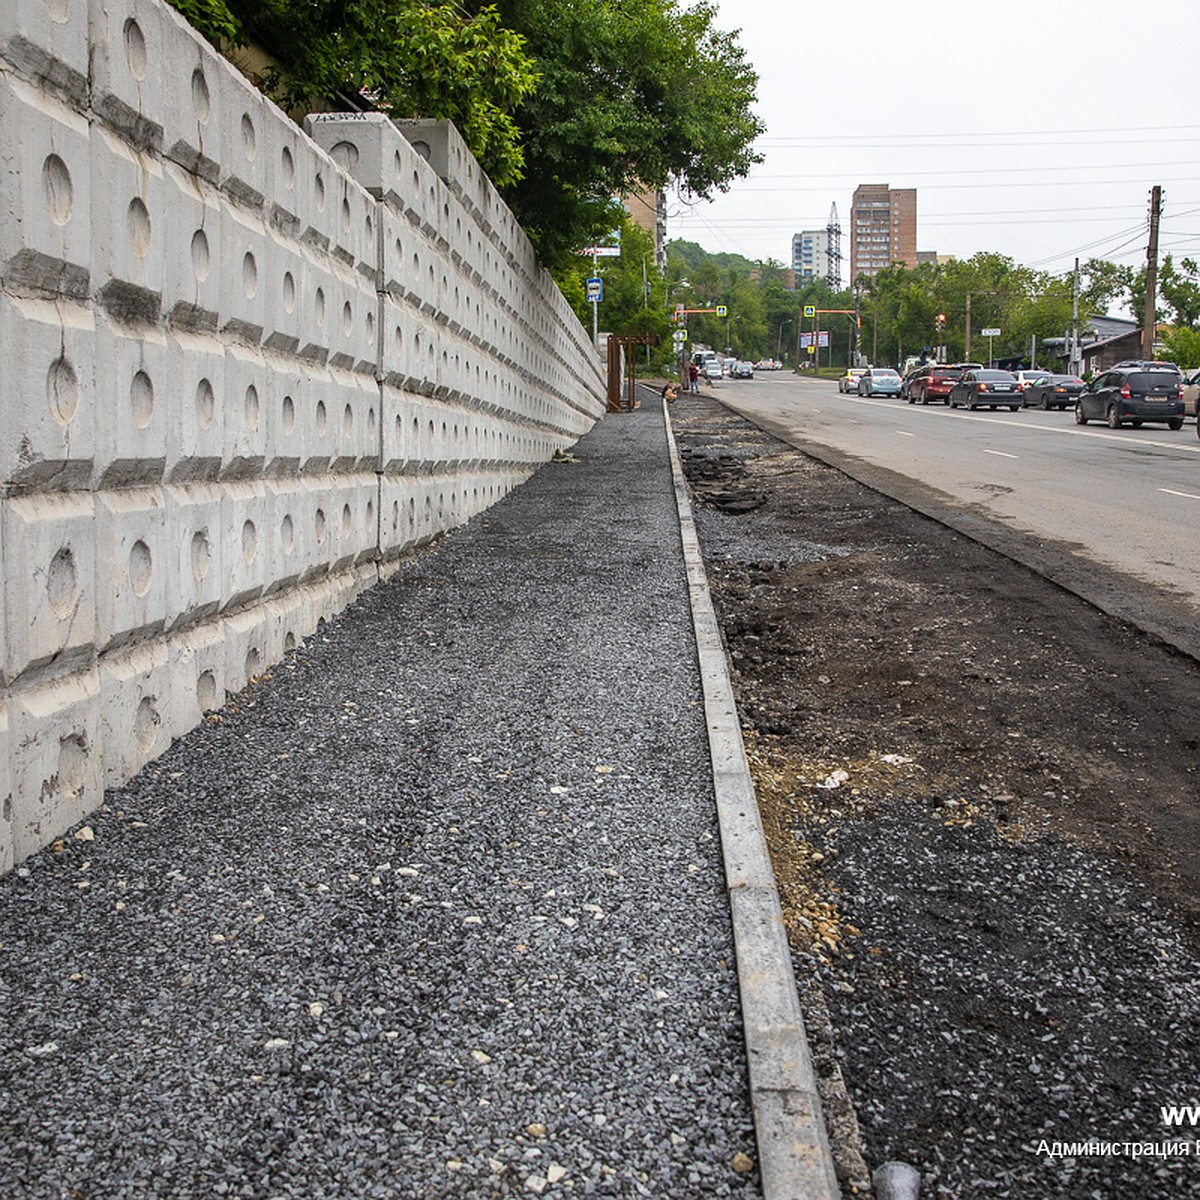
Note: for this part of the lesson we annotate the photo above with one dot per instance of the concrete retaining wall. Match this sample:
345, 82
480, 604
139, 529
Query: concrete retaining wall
245, 367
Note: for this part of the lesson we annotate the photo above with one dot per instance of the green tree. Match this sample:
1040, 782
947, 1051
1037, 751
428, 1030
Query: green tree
1183, 347
634, 288
568, 104
1181, 289
1104, 283
408, 58
633, 94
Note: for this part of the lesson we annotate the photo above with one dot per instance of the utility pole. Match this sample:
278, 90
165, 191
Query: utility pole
967, 346
1075, 363
1148, 326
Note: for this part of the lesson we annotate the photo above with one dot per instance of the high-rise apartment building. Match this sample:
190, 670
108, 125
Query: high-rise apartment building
649, 210
810, 254
883, 228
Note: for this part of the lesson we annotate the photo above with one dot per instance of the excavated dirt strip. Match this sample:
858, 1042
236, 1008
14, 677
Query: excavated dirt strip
984, 802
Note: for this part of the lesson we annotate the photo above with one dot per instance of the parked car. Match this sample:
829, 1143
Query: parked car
849, 381
742, 370
1191, 389
931, 382
1052, 391
879, 381
1135, 392
986, 387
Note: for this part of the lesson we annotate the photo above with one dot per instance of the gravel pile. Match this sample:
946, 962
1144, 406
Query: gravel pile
436, 909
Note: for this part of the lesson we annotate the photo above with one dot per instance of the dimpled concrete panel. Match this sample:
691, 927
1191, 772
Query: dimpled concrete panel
246, 367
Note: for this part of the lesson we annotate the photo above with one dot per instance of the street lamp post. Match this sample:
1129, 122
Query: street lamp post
779, 338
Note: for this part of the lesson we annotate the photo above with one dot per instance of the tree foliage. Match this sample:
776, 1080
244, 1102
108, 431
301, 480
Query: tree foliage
568, 104
634, 293
408, 58
633, 94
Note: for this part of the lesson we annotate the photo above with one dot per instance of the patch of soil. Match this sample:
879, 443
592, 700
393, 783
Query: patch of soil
973, 783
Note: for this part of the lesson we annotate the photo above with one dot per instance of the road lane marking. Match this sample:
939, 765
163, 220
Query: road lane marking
903, 433
1001, 454
1185, 495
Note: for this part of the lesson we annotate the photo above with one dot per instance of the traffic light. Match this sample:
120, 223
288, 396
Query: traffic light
941, 322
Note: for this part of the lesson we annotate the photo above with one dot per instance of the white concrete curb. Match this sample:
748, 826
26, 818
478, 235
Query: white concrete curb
795, 1161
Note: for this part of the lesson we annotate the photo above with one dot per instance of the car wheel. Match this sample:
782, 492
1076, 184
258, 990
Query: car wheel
1114, 417
1012, 408
970, 404
1175, 423
1080, 419
1045, 403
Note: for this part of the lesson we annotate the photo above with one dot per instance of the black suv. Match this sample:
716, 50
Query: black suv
1133, 391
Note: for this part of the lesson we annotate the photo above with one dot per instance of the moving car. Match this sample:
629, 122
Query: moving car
879, 381
742, 370
1052, 391
849, 381
931, 382
711, 369
990, 388
1135, 392
1028, 376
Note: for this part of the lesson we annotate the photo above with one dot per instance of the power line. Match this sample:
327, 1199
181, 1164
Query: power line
1184, 162
1058, 183
849, 138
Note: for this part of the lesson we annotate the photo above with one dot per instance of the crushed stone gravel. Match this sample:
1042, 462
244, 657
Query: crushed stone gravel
434, 909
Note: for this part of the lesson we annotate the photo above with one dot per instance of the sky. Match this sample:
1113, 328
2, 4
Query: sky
1032, 129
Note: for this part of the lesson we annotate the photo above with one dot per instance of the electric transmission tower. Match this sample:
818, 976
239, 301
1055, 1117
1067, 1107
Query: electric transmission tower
833, 233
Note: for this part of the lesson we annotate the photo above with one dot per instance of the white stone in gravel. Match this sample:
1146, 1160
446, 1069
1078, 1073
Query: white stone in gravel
277, 1044
481, 1058
555, 1173
43, 1051
86, 834
536, 1184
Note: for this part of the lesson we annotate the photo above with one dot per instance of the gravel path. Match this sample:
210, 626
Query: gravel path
435, 909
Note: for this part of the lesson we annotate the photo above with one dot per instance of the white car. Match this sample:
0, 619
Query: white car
849, 381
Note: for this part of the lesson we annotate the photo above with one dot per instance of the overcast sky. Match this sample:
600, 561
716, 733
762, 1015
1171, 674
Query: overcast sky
1035, 128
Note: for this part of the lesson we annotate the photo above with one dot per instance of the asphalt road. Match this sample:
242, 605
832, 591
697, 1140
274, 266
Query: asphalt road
1127, 499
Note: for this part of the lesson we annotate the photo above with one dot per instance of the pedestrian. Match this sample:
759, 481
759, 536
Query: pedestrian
694, 378
669, 393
